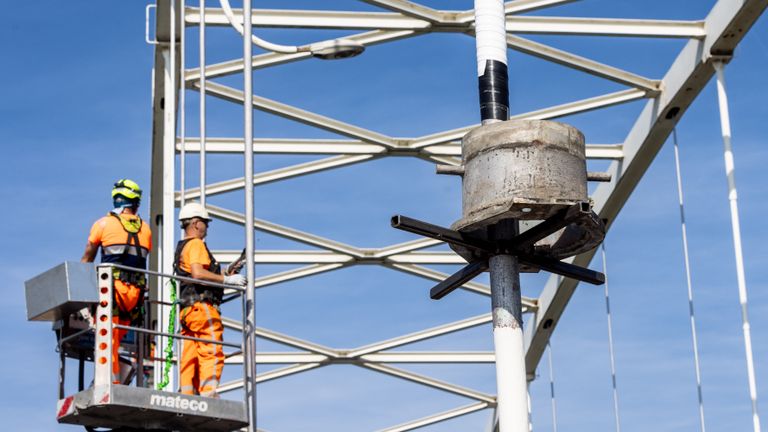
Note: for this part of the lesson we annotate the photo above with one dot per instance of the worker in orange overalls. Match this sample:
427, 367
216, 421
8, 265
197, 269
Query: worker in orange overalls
124, 239
201, 362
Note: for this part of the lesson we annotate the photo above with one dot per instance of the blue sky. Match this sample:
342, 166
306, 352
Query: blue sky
76, 116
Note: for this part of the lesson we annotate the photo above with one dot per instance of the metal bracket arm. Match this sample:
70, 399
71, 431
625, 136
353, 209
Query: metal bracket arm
439, 233
456, 280
520, 246
550, 226
564, 269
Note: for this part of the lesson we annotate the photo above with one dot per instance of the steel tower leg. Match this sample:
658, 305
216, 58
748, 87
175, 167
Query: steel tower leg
249, 312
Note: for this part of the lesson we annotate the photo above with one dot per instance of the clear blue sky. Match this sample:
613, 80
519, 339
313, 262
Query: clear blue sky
75, 110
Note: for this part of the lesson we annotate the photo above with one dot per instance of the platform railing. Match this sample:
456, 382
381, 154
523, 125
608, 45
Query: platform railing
104, 325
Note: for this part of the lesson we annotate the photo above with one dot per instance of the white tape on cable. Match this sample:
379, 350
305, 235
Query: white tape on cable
490, 32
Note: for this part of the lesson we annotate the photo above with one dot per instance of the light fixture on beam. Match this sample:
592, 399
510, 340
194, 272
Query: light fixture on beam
327, 50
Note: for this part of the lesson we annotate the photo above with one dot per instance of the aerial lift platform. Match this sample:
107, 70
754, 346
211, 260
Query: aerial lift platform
58, 295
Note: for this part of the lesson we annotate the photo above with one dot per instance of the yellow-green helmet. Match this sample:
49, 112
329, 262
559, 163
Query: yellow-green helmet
127, 188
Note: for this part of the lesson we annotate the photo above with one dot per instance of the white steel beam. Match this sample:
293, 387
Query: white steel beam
605, 151
422, 335
296, 342
328, 257
446, 149
427, 258
456, 22
521, 6
726, 24
163, 128
405, 247
511, 7
283, 339
412, 357
294, 274
430, 382
431, 357
351, 147
278, 174
570, 108
605, 27
284, 358
283, 146
284, 372
329, 354
408, 8
273, 59
285, 257
580, 63
229, 386
299, 115
440, 417
312, 19
284, 232
583, 105
162, 204
407, 357
269, 376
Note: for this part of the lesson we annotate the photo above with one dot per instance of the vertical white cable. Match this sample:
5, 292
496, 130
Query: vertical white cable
552, 387
182, 109
725, 124
530, 417
694, 338
202, 103
610, 342
249, 312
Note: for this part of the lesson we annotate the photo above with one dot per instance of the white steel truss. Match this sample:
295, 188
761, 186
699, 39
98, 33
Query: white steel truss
710, 39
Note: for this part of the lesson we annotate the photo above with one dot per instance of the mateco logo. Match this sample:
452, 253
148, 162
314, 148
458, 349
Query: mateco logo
178, 402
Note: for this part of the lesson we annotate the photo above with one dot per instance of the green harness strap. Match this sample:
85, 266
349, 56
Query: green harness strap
169, 346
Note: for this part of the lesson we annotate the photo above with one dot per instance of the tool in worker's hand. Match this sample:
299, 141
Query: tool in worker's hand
237, 265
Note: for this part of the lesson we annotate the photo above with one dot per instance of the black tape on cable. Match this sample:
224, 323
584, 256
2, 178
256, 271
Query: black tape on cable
494, 91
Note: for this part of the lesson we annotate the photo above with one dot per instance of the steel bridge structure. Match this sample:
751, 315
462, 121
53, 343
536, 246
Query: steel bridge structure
179, 34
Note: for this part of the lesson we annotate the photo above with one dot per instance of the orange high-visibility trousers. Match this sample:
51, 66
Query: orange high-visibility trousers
201, 362
127, 296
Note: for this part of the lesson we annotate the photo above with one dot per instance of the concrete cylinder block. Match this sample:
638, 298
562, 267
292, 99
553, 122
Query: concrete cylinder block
522, 169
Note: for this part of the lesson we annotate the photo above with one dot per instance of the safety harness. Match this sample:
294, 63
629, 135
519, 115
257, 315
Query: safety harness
130, 254
192, 292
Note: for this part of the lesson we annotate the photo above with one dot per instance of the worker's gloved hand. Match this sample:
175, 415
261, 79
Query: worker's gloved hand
235, 279
237, 265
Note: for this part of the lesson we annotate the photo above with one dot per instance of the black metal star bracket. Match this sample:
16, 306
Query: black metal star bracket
521, 246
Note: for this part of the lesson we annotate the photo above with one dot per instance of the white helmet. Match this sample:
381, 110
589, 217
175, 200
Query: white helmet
192, 210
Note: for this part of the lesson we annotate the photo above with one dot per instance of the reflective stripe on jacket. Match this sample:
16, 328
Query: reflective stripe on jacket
192, 292
129, 248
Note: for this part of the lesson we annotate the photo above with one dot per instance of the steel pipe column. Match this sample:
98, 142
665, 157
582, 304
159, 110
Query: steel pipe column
508, 343
249, 304
505, 269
